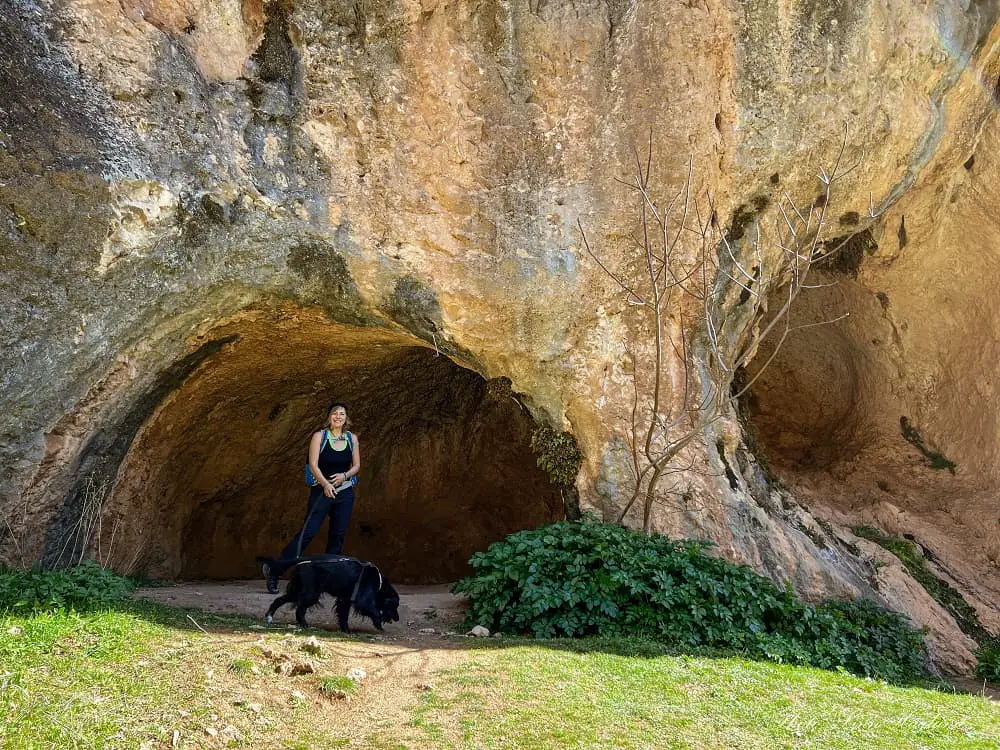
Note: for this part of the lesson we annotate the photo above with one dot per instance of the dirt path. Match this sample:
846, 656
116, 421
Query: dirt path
401, 664
421, 608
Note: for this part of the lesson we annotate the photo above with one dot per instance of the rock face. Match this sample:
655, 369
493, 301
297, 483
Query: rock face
219, 215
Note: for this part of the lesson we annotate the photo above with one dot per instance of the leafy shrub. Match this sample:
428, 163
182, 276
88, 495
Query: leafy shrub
577, 578
84, 586
870, 640
988, 660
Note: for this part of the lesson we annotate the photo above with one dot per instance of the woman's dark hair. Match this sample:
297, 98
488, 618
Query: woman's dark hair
342, 405
334, 405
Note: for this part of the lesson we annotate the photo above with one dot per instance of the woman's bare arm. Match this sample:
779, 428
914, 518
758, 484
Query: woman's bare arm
355, 461
315, 446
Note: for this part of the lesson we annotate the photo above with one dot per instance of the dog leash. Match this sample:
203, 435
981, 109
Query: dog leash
336, 490
340, 559
298, 550
350, 483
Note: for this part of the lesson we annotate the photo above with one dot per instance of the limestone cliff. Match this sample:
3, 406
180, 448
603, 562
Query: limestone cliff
219, 214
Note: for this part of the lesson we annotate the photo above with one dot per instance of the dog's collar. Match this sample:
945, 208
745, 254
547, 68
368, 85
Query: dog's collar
373, 565
367, 564
357, 585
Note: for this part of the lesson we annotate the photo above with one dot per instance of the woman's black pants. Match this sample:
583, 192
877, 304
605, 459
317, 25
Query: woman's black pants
320, 506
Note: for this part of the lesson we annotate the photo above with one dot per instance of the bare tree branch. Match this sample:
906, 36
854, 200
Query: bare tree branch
689, 262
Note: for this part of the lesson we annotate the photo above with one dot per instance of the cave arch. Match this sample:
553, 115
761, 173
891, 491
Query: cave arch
215, 476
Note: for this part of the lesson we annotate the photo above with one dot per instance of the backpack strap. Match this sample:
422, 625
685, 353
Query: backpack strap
328, 438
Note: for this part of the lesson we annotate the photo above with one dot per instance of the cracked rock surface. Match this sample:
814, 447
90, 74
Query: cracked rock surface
218, 215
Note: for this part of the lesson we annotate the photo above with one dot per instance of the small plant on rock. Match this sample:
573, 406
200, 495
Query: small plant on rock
932, 458
558, 455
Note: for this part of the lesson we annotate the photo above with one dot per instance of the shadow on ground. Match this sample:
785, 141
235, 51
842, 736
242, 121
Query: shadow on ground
431, 618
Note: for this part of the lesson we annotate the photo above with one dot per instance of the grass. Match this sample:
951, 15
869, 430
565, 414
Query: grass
67, 676
337, 684
134, 676
139, 675
536, 697
241, 667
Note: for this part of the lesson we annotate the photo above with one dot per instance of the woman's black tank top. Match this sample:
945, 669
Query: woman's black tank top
333, 461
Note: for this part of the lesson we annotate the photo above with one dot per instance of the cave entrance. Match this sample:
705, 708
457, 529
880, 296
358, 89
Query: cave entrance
216, 475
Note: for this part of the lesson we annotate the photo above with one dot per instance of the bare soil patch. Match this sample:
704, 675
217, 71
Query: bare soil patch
401, 665
421, 608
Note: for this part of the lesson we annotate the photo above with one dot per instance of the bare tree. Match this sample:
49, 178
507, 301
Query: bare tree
705, 298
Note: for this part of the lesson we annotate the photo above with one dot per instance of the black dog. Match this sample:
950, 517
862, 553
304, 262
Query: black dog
352, 581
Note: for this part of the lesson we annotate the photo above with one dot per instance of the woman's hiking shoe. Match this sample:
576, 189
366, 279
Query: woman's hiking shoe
270, 579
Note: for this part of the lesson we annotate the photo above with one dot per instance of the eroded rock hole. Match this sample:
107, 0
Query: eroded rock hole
216, 476
814, 405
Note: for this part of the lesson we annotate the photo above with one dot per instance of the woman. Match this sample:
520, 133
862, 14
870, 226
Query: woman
334, 463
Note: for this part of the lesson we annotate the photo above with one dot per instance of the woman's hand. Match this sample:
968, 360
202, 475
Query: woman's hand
328, 490
338, 479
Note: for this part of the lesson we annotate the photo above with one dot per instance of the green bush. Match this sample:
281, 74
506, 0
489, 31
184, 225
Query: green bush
84, 586
988, 660
578, 578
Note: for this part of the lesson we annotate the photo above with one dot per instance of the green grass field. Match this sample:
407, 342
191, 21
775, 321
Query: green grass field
555, 698
145, 676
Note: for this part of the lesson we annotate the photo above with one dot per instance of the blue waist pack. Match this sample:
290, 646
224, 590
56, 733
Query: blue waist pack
311, 478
